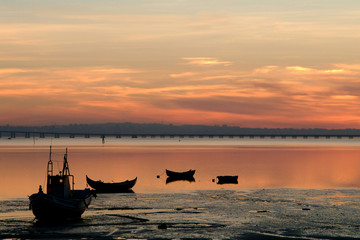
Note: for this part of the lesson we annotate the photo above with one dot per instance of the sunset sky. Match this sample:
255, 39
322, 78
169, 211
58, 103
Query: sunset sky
248, 63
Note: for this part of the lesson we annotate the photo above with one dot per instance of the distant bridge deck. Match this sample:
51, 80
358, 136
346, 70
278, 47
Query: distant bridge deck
40, 134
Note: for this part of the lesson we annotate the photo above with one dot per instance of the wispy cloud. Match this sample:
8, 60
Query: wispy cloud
6, 71
183, 74
269, 96
115, 70
206, 61
306, 70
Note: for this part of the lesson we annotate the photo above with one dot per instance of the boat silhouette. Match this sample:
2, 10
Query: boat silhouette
118, 187
61, 201
186, 174
227, 179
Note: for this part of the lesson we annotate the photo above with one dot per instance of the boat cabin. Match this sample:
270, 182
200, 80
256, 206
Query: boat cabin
59, 185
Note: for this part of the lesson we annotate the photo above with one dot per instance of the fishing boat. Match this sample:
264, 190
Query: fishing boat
186, 174
61, 201
227, 179
117, 187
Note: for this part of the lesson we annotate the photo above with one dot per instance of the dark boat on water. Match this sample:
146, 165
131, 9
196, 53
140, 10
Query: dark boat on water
61, 202
227, 179
180, 176
187, 174
118, 187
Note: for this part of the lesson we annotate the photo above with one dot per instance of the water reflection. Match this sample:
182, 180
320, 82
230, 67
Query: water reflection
22, 168
175, 179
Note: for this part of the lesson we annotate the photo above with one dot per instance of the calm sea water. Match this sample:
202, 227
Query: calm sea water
296, 188
259, 163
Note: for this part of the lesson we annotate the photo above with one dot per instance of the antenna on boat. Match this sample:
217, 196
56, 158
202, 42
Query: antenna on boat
50, 167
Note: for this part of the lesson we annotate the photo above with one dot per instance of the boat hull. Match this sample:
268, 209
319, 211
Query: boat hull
179, 175
120, 187
227, 179
49, 207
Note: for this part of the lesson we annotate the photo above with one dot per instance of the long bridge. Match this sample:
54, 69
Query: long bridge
42, 134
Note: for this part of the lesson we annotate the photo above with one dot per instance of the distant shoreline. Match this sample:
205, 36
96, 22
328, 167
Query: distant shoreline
171, 129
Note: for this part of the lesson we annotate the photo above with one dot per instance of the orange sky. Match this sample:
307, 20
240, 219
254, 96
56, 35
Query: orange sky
245, 63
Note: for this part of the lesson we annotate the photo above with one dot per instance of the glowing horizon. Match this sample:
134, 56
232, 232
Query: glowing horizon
240, 63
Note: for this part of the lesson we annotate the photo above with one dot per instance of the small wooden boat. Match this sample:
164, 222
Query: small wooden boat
61, 202
227, 179
118, 187
180, 175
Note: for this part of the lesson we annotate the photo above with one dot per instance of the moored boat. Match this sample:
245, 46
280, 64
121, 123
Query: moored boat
118, 187
227, 179
186, 174
61, 202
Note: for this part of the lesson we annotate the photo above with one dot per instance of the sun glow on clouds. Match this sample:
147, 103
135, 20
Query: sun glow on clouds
345, 97
205, 61
246, 64
298, 68
270, 96
305, 70
181, 75
115, 70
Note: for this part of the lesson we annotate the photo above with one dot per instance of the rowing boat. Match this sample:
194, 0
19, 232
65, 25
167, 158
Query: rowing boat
117, 187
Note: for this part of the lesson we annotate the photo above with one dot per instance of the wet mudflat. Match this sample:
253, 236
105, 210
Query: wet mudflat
207, 214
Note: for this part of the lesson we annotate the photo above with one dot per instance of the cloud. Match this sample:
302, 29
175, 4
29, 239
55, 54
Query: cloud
183, 74
8, 71
355, 67
305, 70
115, 70
266, 69
299, 68
345, 97
268, 96
206, 61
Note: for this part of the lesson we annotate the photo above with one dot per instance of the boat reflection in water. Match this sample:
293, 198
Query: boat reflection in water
174, 179
118, 187
61, 202
227, 179
180, 176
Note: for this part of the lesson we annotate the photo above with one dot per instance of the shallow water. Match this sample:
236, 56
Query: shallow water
293, 189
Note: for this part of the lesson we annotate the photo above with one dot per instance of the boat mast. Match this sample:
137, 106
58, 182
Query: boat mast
66, 170
50, 167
